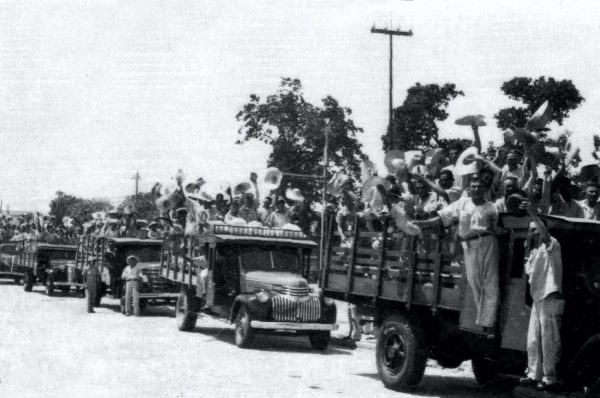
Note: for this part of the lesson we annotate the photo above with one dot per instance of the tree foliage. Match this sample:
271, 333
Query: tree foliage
295, 129
415, 120
144, 205
562, 95
79, 209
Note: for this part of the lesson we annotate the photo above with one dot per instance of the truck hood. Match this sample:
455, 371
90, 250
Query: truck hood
267, 280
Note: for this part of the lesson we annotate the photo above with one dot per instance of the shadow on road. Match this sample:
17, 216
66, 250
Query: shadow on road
450, 387
270, 342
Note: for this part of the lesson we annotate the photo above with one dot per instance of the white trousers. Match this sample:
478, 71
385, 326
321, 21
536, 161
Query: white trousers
481, 264
543, 339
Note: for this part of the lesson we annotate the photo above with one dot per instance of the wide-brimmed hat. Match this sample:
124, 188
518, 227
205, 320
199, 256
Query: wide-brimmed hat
242, 188
390, 157
413, 158
133, 258
336, 184
153, 224
367, 188
181, 211
272, 179
540, 117
471, 120
294, 195
466, 164
435, 160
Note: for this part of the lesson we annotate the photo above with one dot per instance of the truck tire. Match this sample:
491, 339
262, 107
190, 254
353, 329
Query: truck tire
320, 340
49, 288
122, 304
17, 280
401, 353
485, 371
593, 390
28, 285
186, 318
243, 331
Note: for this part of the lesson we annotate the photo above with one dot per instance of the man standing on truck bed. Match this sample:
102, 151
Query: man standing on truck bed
544, 268
477, 220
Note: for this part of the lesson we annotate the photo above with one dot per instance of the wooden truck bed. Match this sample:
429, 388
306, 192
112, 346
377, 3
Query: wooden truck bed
403, 269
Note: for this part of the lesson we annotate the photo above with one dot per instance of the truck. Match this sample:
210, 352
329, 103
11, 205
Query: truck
252, 277
112, 254
52, 265
423, 306
9, 267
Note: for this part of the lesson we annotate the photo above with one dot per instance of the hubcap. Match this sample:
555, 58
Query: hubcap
394, 352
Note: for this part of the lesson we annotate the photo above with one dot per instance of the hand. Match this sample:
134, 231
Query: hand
531, 209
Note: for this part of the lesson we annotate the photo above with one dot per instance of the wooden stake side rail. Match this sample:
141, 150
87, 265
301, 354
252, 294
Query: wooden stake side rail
404, 269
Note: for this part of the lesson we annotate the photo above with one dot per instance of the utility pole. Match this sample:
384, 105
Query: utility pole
324, 198
137, 179
391, 33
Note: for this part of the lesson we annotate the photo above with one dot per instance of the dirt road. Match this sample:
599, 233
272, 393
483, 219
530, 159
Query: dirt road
50, 347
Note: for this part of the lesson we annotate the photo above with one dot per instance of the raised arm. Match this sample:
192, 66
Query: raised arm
542, 230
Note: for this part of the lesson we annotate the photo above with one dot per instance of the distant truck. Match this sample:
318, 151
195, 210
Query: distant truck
112, 254
9, 266
52, 265
255, 278
424, 308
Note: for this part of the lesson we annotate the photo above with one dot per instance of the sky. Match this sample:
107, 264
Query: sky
91, 91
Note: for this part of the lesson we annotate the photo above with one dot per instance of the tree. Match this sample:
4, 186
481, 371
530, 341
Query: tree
295, 130
145, 205
415, 120
77, 208
562, 95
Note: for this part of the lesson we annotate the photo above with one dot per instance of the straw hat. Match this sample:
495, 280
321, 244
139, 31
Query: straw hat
466, 164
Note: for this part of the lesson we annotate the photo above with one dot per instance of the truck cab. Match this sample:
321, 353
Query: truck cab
255, 278
113, 253
424, 308
52, 265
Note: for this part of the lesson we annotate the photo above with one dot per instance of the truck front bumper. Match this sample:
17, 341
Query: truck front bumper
293, 326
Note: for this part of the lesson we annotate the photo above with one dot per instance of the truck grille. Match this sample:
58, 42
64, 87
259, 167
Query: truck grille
286, 309
293, 291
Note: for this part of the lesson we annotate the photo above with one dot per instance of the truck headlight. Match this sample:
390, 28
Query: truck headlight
263, 297
328, 301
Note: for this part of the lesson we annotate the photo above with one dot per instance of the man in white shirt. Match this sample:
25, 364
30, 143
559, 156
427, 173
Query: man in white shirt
477, 219
544, 268
279, 217
590, 205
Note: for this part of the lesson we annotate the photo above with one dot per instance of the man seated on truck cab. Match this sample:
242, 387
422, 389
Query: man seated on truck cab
477, 219
544, 268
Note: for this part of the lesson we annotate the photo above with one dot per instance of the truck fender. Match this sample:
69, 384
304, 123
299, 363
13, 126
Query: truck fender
585, 366
237, 304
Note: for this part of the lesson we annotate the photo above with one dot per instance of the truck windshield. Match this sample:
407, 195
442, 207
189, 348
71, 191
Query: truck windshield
271, 259
60, 254
144, 253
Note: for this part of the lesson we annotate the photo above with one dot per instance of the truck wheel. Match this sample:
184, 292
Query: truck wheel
122, 305
49, 288
319, 340
65, 290
186, 319
485, 371
593, 390
28, 286
17, 280
243, 331
400, 353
